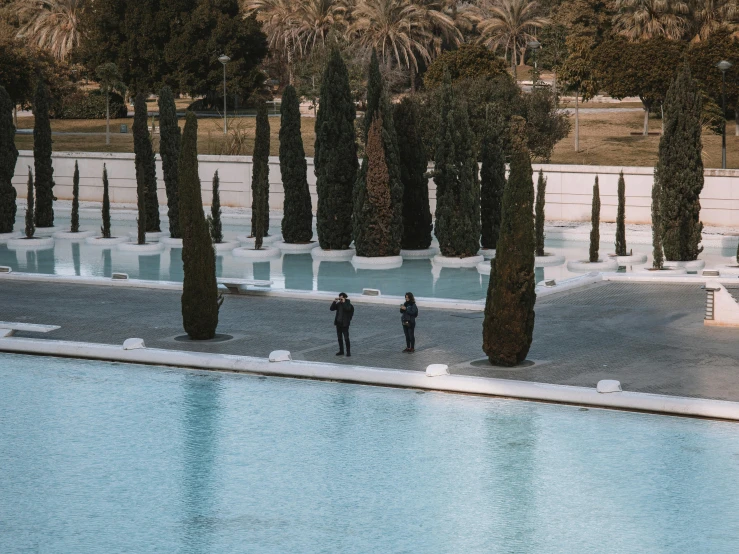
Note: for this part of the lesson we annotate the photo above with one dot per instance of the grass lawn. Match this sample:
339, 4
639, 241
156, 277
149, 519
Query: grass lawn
605, 139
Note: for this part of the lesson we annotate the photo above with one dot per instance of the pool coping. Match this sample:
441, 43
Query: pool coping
398, 378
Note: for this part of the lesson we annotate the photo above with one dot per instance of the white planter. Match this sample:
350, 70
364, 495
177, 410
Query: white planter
585, 266
548, 260
695, 265
384, 262
483, 268
293, 248
666, 271
170, 242
246, 240
633, 259
48, 231
226, 246
36, 243
100, 241
5, 237
153, 236
148, 248
420, 254
487, 253
470, 261
265, 254
332, 255
69, 235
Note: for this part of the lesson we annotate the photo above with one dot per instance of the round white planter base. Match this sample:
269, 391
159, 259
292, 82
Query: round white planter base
5, 237
246, 240
548, 260
585, 266
384, 262
69, 235
226, 246
470, 261
48, 231
151, 236
294, 248
483, 268
624, 261
487, 253
729, 269
420, 254
147, 248
100, 241
263, 255
36, 243
170, 242
668, 270
695, 265
332, 255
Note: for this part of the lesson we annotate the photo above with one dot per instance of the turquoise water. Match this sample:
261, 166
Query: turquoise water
99, 457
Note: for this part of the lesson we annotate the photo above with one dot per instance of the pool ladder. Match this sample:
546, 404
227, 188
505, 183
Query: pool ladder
710, 303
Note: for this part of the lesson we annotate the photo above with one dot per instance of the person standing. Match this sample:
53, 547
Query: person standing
344, 313
409, 313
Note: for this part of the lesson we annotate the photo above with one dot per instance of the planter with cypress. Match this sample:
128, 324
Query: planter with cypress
30, 241
623, 256
146, 179
200, 297
508, 326
260, 179
543, 258
105, 229
492, 182
594, 261
30, 229
42, 146
8, 159
214, 220
169, 150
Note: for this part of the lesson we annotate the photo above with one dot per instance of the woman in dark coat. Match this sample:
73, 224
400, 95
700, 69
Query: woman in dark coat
409, 313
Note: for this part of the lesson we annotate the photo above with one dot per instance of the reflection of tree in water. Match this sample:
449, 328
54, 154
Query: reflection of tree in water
261, 271
149, 267
9, 258
298, 271
31, 261
46, 261
415, 276
219, 264
76, 258
461, 283
338, 276
176, 272
107, 263
201, 426
538, 274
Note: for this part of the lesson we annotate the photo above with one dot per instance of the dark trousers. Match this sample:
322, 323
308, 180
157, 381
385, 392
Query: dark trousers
410, 336
343, 332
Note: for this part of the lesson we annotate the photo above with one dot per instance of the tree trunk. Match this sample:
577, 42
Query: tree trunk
413, 79
513, 63
577, 121
646, 121
107, 117
736, 121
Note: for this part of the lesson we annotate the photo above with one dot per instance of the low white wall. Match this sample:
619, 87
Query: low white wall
569, 187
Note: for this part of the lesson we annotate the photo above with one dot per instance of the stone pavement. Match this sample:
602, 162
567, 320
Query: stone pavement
650, 337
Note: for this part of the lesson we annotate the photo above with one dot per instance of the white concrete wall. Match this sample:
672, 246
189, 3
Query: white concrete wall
569, 187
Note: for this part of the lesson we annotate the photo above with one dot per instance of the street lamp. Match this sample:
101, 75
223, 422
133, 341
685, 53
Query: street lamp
224, 59
534, 45
724, 66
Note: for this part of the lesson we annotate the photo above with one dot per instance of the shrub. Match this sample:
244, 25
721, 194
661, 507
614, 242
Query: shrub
595, 224
106, 205
621, 217
214, 220
90, 105
260, 178
469, 61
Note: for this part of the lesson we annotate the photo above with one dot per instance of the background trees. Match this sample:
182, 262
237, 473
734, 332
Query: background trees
8, 158
492, 178
53, 25
146, 177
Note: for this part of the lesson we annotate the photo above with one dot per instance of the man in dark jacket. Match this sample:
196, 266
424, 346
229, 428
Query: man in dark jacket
344, 312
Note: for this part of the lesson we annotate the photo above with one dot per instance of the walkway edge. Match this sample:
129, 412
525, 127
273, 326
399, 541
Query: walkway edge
635, 401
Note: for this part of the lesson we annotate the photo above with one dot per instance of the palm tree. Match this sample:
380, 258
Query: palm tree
509, 23
644, 19
317, 17
280, 24
711, 15
53, 25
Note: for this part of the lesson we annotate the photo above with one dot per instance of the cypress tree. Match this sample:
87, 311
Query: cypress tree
679, 169
367, 223
44, 170
657, 253
417, 223
75, 227
214, 220
455, 175
8, 159
541, 190
260, 178
492, 179
297, 218
200, 298
146, 177
621, 217
30, 226
169, 150
140, 139
106, 205
595, 224
335, 156
508, 326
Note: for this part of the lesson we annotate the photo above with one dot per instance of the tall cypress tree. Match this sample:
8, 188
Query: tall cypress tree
200, 298
658, 258
8, 159
260, 178
413, 158
44, 170
492, 178
679, 169
595, 224
30, 226
214, 220
508, 326
105, 229
621, 217
367, 222
541, 192
146, 178
335, 156
457, 184
297, 215
75, 223
169, 150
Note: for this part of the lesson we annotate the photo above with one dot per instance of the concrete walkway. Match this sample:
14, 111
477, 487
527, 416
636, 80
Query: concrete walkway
650, 337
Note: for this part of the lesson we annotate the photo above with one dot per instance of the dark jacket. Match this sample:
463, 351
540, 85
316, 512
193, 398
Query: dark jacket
410, 313
344, 312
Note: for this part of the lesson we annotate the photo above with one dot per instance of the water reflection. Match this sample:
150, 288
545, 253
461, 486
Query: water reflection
76, 258
298, 271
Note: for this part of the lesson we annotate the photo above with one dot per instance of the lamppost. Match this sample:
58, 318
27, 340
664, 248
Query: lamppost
224, 59
534, 45
724, 66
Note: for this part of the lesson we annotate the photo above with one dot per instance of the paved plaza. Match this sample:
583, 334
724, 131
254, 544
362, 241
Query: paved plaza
650, 337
